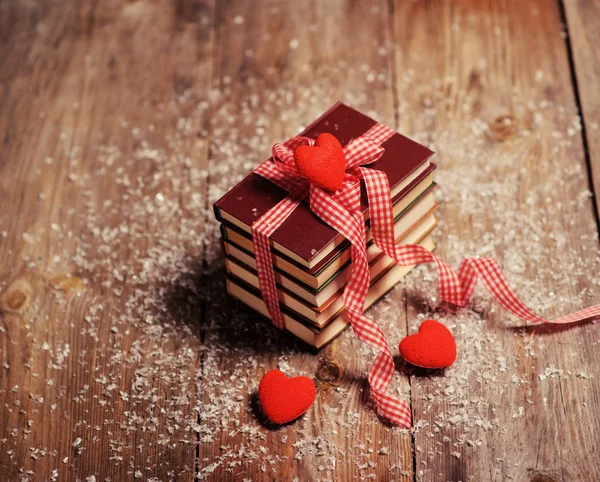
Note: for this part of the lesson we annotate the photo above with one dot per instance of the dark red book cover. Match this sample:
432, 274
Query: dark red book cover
303, 232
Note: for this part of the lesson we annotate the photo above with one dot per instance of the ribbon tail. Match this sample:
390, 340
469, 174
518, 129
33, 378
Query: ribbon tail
454, 288
261, 230
382, 226
352, 226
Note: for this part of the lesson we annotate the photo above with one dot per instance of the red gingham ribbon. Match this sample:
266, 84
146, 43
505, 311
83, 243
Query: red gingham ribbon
341, 210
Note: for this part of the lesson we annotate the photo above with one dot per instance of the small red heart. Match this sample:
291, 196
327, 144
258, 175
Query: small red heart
323, 164
284, 399
432, 347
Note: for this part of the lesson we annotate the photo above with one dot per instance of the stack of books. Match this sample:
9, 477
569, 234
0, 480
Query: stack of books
312, 260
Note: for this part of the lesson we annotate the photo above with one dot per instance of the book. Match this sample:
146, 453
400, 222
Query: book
314, 336
333, 305
237, 261
303, 237
239, 245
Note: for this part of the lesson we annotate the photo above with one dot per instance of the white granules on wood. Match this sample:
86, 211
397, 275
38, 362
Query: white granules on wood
179, 363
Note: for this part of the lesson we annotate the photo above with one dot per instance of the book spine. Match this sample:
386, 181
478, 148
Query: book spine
217, 212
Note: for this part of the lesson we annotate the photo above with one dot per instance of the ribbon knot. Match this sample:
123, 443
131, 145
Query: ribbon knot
360, 151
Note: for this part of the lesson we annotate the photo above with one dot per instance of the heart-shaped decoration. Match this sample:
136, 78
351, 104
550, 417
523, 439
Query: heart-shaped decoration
432, 347
284, 399
323, 164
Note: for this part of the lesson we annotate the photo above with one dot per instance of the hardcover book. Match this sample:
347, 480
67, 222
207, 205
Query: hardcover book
303, 237
330, 304
235, 240
315, 336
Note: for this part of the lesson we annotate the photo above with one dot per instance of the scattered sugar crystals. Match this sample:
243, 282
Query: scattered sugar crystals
150, 256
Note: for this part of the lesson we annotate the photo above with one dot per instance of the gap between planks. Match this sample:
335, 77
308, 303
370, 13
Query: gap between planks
576, 93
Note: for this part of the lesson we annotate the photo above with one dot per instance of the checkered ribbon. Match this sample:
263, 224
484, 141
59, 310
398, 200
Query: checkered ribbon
341, 210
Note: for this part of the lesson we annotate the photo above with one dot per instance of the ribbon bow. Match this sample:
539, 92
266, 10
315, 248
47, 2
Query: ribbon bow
341, 211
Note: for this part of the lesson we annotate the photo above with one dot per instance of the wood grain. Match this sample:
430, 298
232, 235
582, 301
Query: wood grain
95, 382
121, 123
280, 65
501, 114
583, 22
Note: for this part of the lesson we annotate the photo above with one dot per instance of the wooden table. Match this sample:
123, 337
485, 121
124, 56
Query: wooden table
122, 122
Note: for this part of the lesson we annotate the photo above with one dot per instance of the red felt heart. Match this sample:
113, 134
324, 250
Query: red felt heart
284, 399
323, 164
432, 347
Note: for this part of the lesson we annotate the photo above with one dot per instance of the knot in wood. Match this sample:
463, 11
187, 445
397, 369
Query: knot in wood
504, 127
329, 372
16, 298
542, 478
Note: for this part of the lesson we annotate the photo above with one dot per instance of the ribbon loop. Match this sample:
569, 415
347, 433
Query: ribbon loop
362, 151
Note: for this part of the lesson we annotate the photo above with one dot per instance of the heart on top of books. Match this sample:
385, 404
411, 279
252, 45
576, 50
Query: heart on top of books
323, 164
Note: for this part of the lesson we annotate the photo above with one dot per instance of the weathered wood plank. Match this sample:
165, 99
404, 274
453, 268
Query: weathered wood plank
280, 65
487, 85
107, 103
583, 22
102, 191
